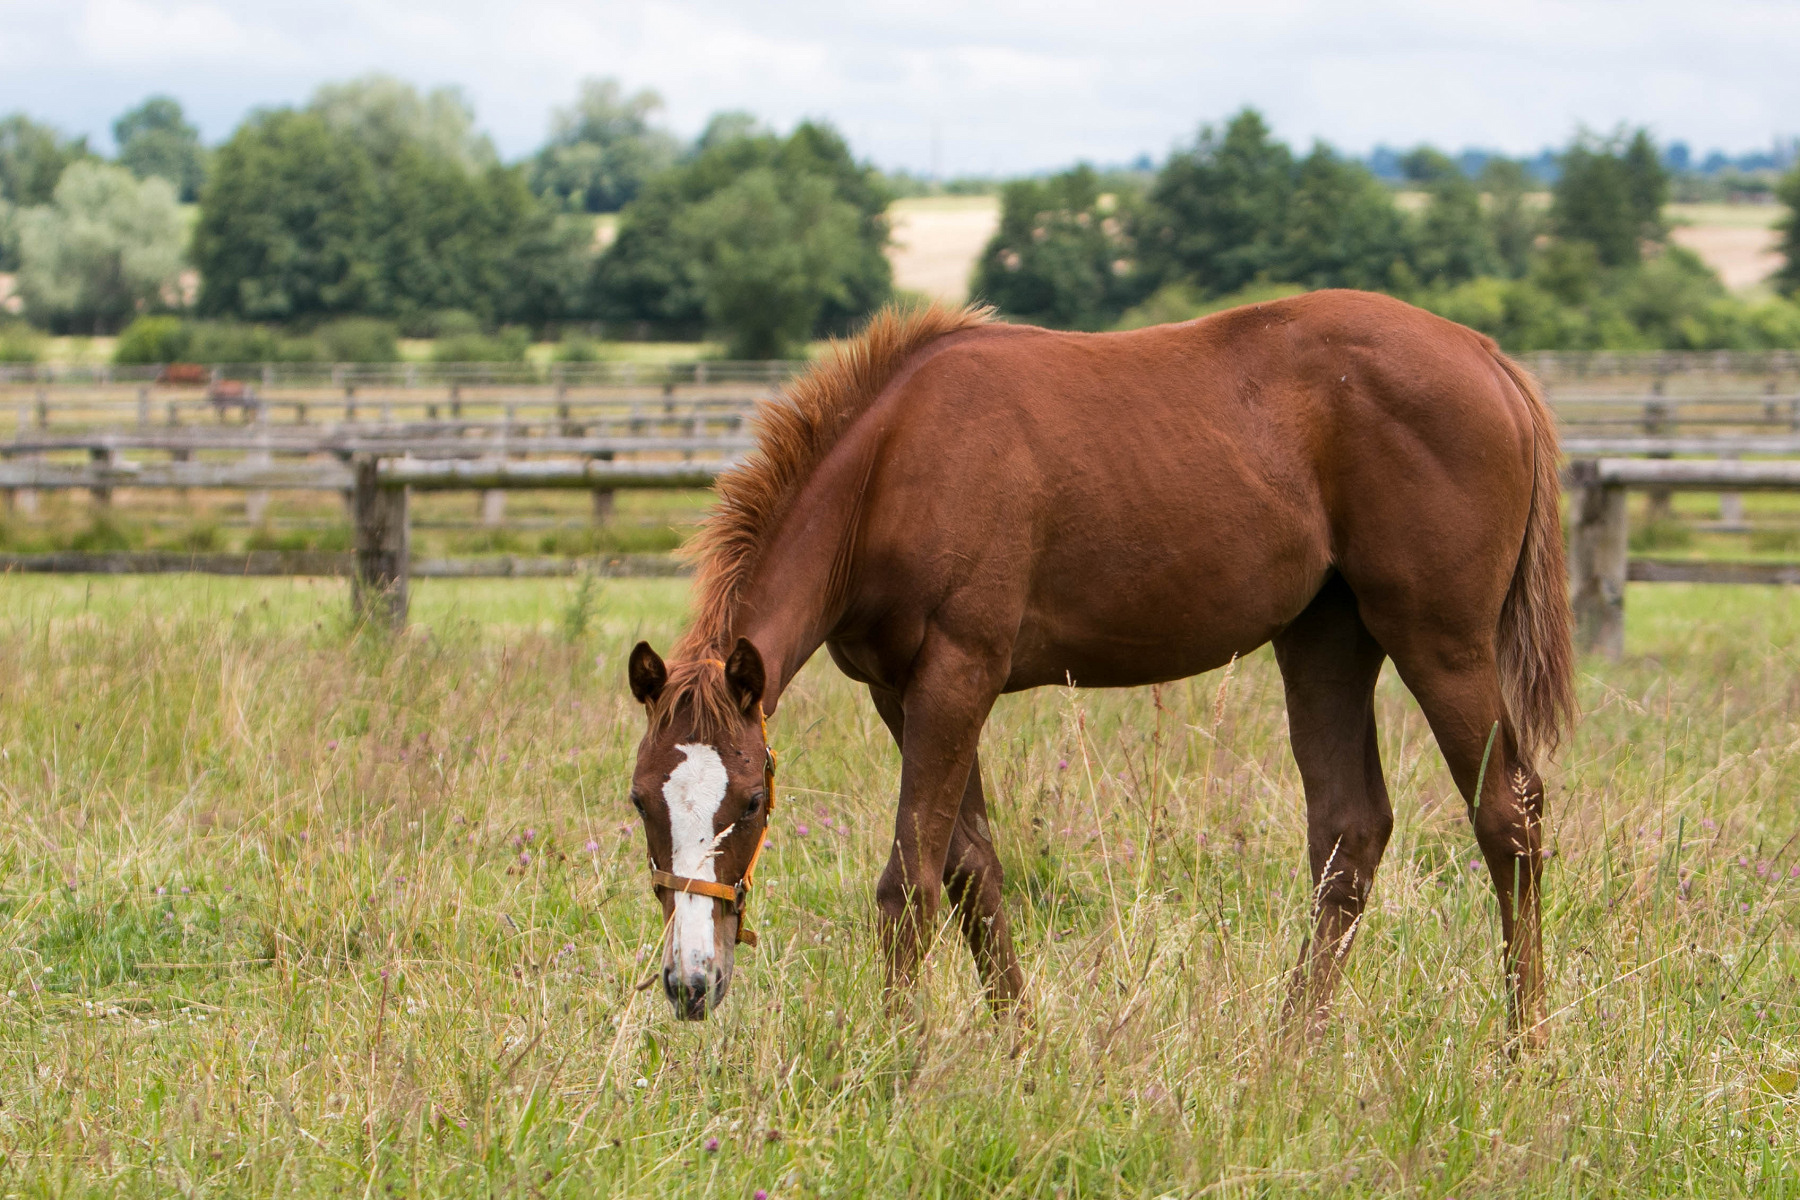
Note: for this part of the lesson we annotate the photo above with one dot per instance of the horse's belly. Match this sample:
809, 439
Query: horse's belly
1152, 613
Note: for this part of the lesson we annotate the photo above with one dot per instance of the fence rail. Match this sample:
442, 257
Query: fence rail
1599, 534
1552, 366
1725, 422
414, 374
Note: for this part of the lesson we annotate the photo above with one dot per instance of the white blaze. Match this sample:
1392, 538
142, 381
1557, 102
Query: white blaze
693, 793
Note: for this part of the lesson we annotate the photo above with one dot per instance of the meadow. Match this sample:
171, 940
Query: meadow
290, 908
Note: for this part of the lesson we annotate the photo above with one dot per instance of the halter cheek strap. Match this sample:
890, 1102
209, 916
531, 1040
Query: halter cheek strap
735, 895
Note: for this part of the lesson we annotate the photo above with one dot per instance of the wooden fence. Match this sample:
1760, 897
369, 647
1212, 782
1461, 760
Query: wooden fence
1599, 534
1661, 423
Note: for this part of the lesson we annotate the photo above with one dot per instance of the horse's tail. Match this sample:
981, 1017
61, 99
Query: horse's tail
1536, 658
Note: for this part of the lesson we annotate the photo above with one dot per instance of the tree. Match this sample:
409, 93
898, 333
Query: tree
1217, 211
385, 115
106, 247
1788, 278
602, 148
285, 225
155, 139
1060, 256
663, 270
1237, 208
772, 249
379, 214
1610, 195
1514, 226
1452, 238
32, 159
1341, 227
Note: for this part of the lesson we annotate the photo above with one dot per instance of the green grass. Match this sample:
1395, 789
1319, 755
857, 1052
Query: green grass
286, 908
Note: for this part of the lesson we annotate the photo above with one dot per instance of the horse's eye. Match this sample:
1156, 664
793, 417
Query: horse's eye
637, 801
755, 803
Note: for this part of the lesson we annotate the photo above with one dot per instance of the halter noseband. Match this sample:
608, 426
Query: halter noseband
735, 895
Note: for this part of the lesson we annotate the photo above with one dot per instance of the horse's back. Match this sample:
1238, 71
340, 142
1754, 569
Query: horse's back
1177, 494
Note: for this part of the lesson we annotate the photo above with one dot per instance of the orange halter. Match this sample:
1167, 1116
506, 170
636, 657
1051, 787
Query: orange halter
735, 895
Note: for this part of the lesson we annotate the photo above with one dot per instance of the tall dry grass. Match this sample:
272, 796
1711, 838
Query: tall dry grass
287, 909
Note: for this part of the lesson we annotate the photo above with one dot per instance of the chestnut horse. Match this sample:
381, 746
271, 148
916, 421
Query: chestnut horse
957, 508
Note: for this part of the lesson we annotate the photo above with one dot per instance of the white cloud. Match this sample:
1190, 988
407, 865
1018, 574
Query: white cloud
141, 32
1009, 85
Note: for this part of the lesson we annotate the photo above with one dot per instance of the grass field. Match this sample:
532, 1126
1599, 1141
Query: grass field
286, 909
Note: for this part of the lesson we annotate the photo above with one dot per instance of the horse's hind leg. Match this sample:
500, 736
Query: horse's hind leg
1329, 664
972, 876
1457, 683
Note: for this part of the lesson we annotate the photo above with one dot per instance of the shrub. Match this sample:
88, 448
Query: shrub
577, 347
104, 536
153, 340
20, 343
508, 346
230, 342
359, 340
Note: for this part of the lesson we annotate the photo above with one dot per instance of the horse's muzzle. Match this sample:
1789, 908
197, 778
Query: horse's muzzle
694, 995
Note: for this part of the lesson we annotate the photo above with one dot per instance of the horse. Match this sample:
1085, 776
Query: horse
956, 508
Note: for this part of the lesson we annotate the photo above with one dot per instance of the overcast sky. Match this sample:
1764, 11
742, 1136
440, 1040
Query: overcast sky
996, 87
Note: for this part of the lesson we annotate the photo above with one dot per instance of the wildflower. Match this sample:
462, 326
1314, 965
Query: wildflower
184, 891
801, 830
1062, 764
530, 835
712, 1145
161, 890
332, 744
827, 822
524, 858
759, 1194
592, 846
1708, 824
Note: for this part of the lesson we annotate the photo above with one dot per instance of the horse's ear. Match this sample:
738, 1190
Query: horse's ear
744, 675
647, 673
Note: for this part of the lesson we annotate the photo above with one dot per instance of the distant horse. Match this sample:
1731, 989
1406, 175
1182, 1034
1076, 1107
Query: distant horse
957, 508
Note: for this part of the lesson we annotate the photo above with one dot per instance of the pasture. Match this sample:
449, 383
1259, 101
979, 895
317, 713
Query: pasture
289, 908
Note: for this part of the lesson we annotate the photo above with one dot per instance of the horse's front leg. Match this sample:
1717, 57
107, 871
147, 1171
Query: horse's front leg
943, 708
972, 876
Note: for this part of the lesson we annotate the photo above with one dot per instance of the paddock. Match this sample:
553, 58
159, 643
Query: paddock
293, 904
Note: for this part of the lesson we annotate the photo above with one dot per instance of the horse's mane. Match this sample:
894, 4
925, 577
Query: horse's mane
795, 430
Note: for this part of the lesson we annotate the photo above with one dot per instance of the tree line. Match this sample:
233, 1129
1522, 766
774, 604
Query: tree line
374, 200
375, 211
1237, 215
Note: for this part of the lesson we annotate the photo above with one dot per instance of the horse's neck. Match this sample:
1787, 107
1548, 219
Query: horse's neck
797, 591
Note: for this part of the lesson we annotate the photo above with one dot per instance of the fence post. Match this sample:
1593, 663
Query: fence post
104, 457
256, 503
1598, 535
25, 500
1731, 505
493, 500
378, 585
1656, 424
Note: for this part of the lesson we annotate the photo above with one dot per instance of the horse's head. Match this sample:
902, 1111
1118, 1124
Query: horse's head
703, 784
